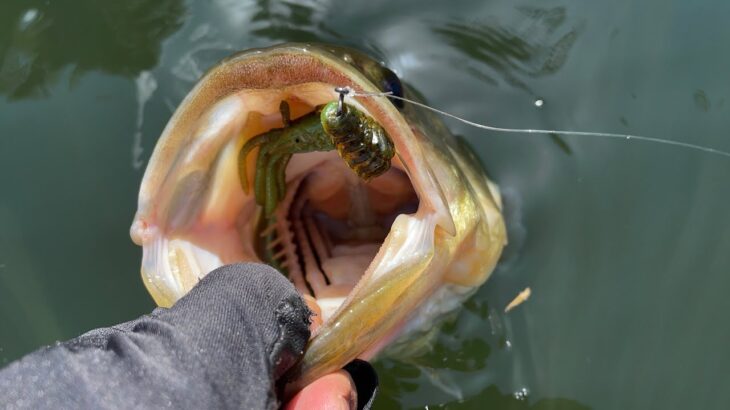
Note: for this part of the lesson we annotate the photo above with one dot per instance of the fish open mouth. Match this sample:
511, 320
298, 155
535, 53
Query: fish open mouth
328, 228
376, 260
324, 234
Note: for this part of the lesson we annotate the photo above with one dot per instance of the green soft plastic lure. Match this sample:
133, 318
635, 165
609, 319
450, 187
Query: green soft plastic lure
361, 142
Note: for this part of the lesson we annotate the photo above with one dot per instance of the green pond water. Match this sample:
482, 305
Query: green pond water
624, 244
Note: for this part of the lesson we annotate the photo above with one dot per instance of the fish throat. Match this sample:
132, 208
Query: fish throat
323, 228
325, 233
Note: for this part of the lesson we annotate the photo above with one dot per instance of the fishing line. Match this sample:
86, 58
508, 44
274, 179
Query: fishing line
389, 94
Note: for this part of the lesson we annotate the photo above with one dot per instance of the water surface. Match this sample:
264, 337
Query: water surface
624, 244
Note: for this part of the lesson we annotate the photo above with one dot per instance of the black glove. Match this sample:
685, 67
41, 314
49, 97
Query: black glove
223, 345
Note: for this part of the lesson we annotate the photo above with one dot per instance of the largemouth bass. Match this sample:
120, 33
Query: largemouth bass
377, 261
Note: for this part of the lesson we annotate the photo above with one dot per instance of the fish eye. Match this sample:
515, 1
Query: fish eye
392, 83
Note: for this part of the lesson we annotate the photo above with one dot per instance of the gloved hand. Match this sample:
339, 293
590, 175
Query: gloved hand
224, 345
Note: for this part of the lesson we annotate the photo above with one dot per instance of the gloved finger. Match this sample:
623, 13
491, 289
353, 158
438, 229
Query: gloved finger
249, 320
220, 346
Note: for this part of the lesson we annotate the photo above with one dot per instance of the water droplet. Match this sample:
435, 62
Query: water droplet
539, 102
522, 394
28, 17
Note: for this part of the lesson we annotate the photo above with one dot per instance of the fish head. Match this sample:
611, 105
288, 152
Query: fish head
375, 260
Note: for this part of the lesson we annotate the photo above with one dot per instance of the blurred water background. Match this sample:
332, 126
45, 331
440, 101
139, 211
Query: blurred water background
624, 244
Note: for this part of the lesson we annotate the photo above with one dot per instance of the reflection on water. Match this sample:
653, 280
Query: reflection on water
454, 370
508, 54
304, 21
39, 39
517, 401
626, 247
538, 47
